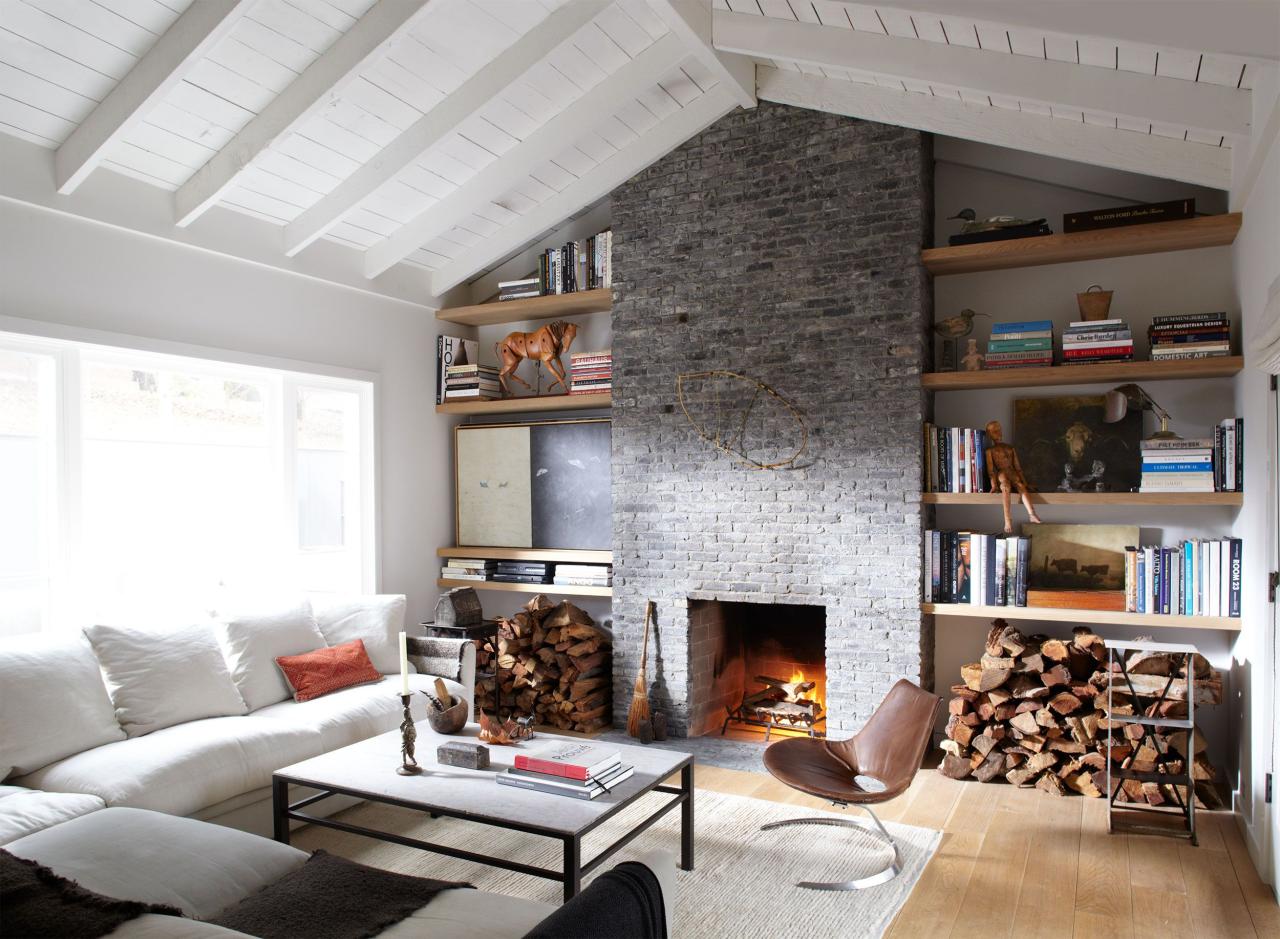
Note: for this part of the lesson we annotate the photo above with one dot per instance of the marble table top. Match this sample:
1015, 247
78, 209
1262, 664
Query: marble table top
368, 768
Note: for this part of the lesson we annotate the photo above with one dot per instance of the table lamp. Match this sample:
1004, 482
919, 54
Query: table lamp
1117, 402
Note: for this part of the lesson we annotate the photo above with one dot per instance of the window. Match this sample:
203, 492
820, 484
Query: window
144, 486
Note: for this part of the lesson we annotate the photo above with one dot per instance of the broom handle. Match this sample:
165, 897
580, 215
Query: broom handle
644, 649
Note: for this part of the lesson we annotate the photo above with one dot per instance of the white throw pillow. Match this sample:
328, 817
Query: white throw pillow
377, 619
252, 641
158, 679
52, 702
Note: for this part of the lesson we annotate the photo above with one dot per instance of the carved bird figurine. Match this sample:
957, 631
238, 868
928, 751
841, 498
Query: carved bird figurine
973, 224
957, 327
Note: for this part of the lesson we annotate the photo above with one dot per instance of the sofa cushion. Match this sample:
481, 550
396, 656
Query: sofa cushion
354, 713
252, 640
200, 868
52, 702
155, 926
23, 811
471, 914
158, 679
185, 768
377, 619
323, 671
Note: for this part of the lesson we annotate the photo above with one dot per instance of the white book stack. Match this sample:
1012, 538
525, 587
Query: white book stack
584, 575
1177, 466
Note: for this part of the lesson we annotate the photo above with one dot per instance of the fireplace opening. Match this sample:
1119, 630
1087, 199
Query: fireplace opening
759, 669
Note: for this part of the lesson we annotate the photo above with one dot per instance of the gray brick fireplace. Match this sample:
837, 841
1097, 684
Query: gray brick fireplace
782, 244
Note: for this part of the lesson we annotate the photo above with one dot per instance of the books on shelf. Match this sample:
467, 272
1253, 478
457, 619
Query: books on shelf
1203, 464
975, 568
1190, 336
955, 459
471, 382
1087, 341
1020, 345
584, 575
467, 569
1228, 455
519, 289
575, 265
1196, 577
452, 351
1129, 215
591, 372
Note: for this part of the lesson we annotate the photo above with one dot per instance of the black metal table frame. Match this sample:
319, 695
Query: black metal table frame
573, 869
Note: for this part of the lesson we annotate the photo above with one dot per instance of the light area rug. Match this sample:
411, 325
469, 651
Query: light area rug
743, 882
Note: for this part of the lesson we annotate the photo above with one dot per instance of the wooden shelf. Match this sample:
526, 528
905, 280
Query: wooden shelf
535, 308
1089, 498
554, 589
1208, 232
562, 555
528, 405
1221, 367
1097, 617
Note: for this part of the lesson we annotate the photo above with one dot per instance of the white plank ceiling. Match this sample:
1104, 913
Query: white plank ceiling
614, 85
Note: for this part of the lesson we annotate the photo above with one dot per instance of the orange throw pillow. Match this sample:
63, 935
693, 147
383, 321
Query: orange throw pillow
317, 673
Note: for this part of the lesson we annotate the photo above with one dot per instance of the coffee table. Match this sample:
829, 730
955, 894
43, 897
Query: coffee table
367, 770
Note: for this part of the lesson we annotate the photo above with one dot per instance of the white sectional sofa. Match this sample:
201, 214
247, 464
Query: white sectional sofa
64, 752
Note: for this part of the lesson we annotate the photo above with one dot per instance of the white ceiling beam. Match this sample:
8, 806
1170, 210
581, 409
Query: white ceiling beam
442, 120
591, 187
320, 82
162, 67
691, 21
1200, 106
543, 144
1149, 154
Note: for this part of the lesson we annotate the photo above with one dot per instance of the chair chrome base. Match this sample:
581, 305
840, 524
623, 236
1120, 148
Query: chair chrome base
873, 880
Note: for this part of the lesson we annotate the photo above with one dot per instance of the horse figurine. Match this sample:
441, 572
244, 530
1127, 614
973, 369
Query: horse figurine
545, 344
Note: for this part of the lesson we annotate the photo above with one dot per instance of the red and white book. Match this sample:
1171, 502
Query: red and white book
571, 760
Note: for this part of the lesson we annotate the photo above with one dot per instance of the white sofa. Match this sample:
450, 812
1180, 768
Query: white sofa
203, 869
64, 753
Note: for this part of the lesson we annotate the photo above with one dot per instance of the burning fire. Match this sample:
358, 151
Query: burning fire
796, 693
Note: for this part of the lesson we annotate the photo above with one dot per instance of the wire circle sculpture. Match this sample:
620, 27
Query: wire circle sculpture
735, 419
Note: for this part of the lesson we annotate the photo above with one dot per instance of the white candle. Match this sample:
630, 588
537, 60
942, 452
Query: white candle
404, 664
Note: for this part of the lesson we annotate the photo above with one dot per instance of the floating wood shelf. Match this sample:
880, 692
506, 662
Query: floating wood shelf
1090, 498
552, 589
534, 308
1208, 232
1220, 367
1097, 617
528, 405
561, 555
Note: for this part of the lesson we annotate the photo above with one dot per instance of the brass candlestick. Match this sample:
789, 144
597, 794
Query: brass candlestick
408, 736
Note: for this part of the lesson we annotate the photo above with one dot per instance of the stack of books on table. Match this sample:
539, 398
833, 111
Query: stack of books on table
584, 575
1178, 466
975, 568
1228, 455
1097, 341
519, 289
955, 458
467, 569
522, 572
1020, 345
592, 372
579, 770
1200, 577
1190, 336
471, 383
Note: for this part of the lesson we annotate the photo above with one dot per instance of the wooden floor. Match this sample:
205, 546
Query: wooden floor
1019, 863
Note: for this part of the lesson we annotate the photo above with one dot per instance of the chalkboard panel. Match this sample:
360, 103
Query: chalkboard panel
569, 466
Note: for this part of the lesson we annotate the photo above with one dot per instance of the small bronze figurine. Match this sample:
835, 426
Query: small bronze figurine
408, 737
1004, 471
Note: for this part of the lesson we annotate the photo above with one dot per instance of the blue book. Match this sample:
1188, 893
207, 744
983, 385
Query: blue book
1189, 578
1175, 467
1028, 327
1142, 580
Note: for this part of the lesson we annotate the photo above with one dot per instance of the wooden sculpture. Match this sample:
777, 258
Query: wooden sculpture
1004, 471
545, 344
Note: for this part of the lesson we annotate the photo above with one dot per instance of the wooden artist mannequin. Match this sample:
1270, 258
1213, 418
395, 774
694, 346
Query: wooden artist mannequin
1005, 474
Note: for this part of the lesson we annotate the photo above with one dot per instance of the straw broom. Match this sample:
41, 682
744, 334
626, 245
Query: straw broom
639, 712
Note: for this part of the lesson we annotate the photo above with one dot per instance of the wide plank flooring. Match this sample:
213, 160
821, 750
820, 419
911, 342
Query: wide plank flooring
1016, 862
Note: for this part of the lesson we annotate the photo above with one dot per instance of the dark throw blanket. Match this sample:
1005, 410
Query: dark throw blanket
330, 897
623, 903
34, 901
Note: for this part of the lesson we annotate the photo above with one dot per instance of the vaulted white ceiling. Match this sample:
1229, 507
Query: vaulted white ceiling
446, 135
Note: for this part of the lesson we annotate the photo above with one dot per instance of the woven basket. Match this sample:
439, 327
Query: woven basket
1095, 303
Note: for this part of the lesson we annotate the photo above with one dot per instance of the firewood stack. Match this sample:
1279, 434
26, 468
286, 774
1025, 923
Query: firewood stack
1033, 712
553, 663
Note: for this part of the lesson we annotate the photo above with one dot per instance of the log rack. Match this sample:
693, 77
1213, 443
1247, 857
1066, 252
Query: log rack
1145, 704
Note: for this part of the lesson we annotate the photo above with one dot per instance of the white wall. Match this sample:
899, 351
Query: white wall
1145, 286
63, 275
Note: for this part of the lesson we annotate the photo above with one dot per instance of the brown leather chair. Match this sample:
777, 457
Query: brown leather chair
888, 749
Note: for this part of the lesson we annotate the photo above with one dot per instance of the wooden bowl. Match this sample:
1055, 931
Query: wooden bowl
451, 720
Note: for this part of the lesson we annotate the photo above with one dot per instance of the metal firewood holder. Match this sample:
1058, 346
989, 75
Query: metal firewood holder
1116, 653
